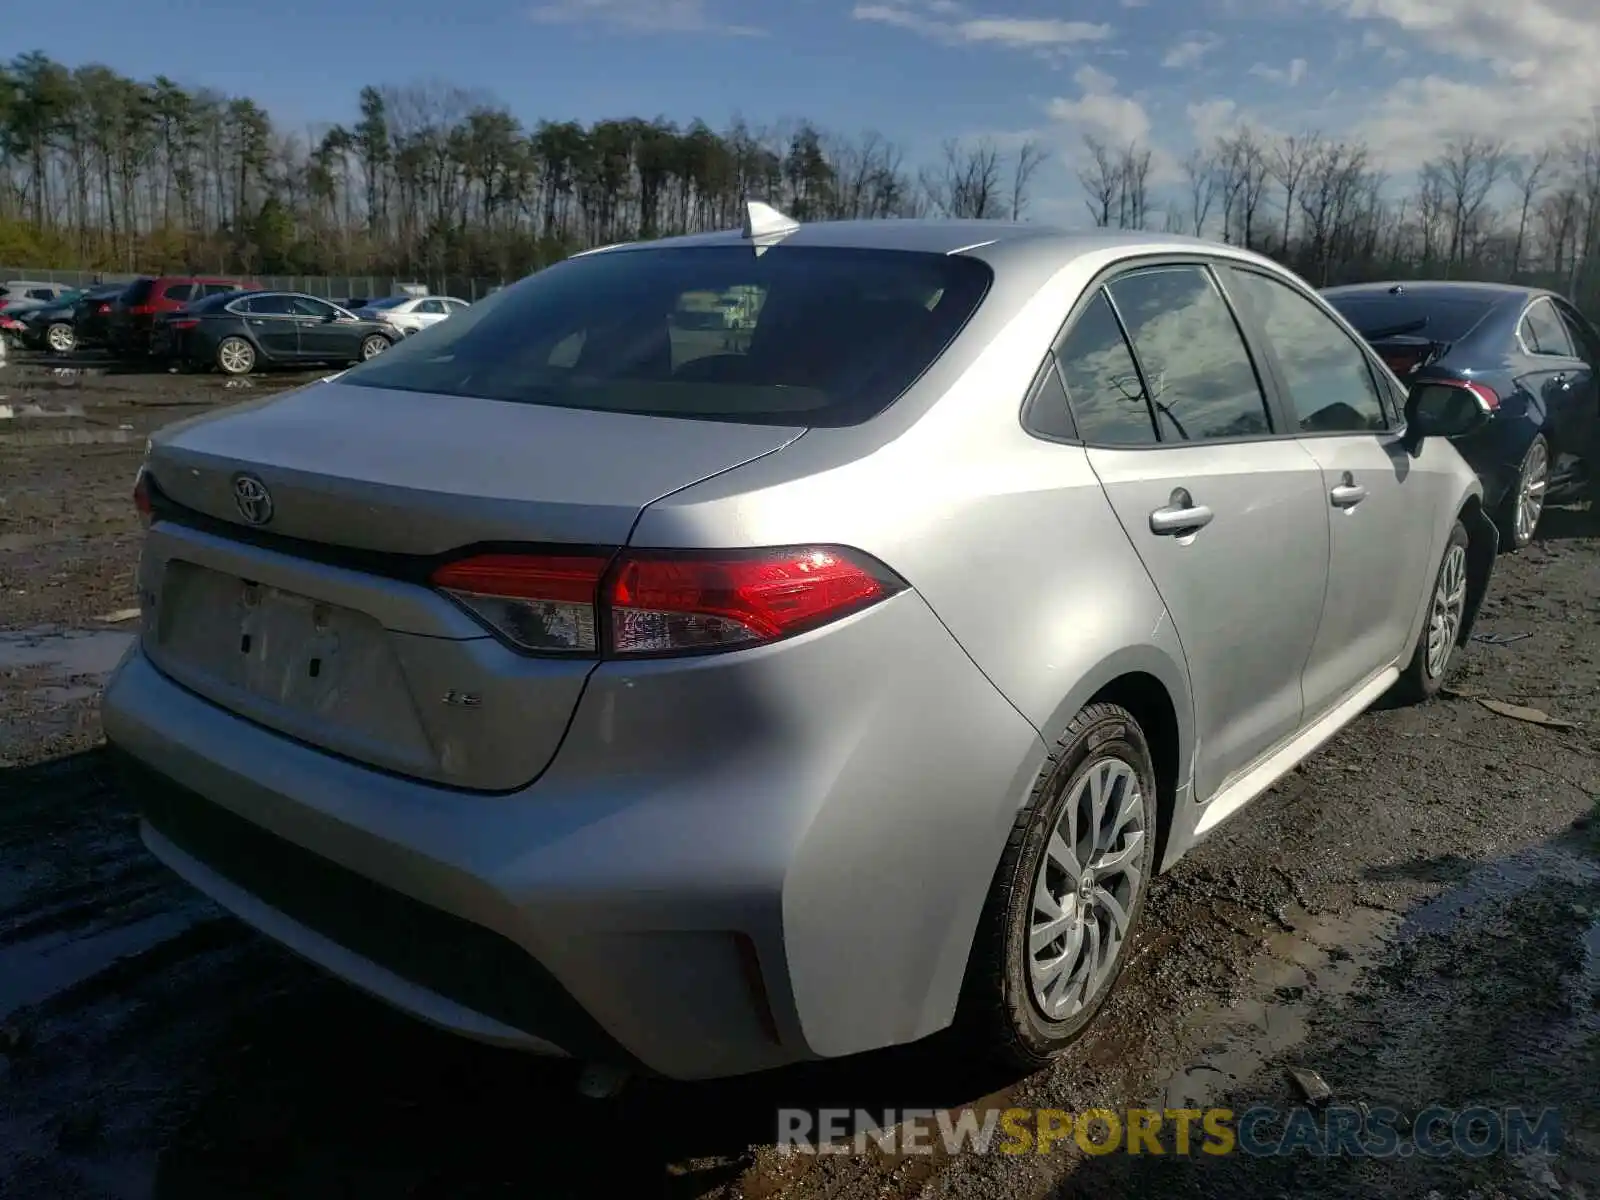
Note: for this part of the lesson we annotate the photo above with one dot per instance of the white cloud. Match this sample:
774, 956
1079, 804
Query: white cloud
1524, 72
1102, 112
1191, 50
1291, 75
640, 16
949, 22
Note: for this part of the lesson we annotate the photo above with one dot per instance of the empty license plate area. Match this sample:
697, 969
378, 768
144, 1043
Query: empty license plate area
321, 672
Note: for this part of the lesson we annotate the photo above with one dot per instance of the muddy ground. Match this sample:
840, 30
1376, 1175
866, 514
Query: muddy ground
1415, 915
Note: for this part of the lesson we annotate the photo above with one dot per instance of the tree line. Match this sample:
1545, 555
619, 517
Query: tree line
99, 171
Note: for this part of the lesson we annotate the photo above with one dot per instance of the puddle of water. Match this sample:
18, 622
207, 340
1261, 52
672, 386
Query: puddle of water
65, 654
35, 970
15, 412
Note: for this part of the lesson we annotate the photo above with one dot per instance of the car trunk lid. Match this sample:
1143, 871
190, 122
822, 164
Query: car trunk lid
318, 621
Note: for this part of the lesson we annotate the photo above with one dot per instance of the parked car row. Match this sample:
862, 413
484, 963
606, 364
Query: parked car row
563, 652
214, 322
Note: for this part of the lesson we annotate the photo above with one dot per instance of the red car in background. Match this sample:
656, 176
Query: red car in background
134, 312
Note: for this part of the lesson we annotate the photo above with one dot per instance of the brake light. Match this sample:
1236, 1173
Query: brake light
539, 603
141, 497
1487, 396
102, 309
664, 602
186, 323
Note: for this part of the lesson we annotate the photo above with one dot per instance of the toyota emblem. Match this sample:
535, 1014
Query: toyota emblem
253, 499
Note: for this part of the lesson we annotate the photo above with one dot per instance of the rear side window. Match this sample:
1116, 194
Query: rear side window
816, 336
179, 291
1108, 401
1330, 382
1203, 384
267, 306
1544, 332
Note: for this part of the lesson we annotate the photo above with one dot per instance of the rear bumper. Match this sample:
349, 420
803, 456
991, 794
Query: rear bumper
732, 864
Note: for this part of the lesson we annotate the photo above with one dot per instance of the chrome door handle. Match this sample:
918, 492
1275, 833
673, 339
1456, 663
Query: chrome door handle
1174, 520
1348, 495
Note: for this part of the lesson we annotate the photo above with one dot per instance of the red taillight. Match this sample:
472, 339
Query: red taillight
141, 497
102, 309
1486, 395
663, 602
186, 323
536, 602
142, 310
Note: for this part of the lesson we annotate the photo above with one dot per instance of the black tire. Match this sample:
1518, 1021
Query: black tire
235, 356
1000, 1014
373, 345
1511, 541
60, 338
1421, 682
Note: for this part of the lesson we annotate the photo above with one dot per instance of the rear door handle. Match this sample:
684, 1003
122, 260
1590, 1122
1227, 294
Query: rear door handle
1176, 519
1348, 495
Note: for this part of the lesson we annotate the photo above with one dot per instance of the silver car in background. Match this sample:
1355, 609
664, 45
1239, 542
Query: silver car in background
576, 682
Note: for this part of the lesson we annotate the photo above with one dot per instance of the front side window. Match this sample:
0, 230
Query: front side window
1202, 382
268, 306
1330, 382
818, 336
1107, 400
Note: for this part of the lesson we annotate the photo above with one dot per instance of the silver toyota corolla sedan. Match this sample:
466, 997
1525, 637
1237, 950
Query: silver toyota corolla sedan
696, 699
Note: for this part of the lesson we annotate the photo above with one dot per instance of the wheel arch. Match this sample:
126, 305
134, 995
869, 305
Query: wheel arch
1147, 699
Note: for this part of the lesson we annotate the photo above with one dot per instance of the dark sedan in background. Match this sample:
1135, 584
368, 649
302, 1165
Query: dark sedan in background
91, 314
1529, 356
238, 332
59, 327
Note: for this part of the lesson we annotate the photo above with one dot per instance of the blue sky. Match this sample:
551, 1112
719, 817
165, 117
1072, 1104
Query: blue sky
1403, 74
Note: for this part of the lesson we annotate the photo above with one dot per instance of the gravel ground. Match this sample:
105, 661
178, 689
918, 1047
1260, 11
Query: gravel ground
1414, 914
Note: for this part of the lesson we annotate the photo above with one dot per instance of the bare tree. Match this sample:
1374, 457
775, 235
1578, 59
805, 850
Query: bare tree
1133, 197
1287, 163
1102, 180
1030, 157
1531, 175
1468, 169
967, 182
1200, 174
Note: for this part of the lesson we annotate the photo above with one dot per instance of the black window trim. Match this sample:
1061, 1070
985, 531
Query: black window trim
1272, 396
1030, 404
1571, 317
1377, 369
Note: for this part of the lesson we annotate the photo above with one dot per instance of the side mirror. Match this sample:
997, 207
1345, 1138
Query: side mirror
1448, 409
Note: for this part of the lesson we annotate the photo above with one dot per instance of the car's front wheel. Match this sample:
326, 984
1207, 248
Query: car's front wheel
1068, 893
236, 356
60, 337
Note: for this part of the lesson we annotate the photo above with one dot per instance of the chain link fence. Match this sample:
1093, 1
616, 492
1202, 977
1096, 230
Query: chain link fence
329, 287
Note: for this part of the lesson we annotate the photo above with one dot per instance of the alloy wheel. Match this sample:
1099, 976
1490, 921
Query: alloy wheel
1531, 487
1085, 890
1445, 614
61, 339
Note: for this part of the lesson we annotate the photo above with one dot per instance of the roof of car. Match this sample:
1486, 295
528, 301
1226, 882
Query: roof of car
1437, 288
943, 237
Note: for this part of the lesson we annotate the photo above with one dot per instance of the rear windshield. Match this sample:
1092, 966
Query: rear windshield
794, 336
1436, 318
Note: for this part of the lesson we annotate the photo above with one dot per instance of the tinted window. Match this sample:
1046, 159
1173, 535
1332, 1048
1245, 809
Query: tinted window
825, 336
1194, 358
432, 307
271, 305
41, 294
1543, 331
179, 291
307, 306
218, 289
1585, 344
138, 292
1103, 388
1438, 318
1046, 411
1330, 382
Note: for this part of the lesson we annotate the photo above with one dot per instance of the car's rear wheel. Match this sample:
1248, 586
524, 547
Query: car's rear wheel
1068, 893
1441, 629
1524, 503
374, 345
60, 337
235, 356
